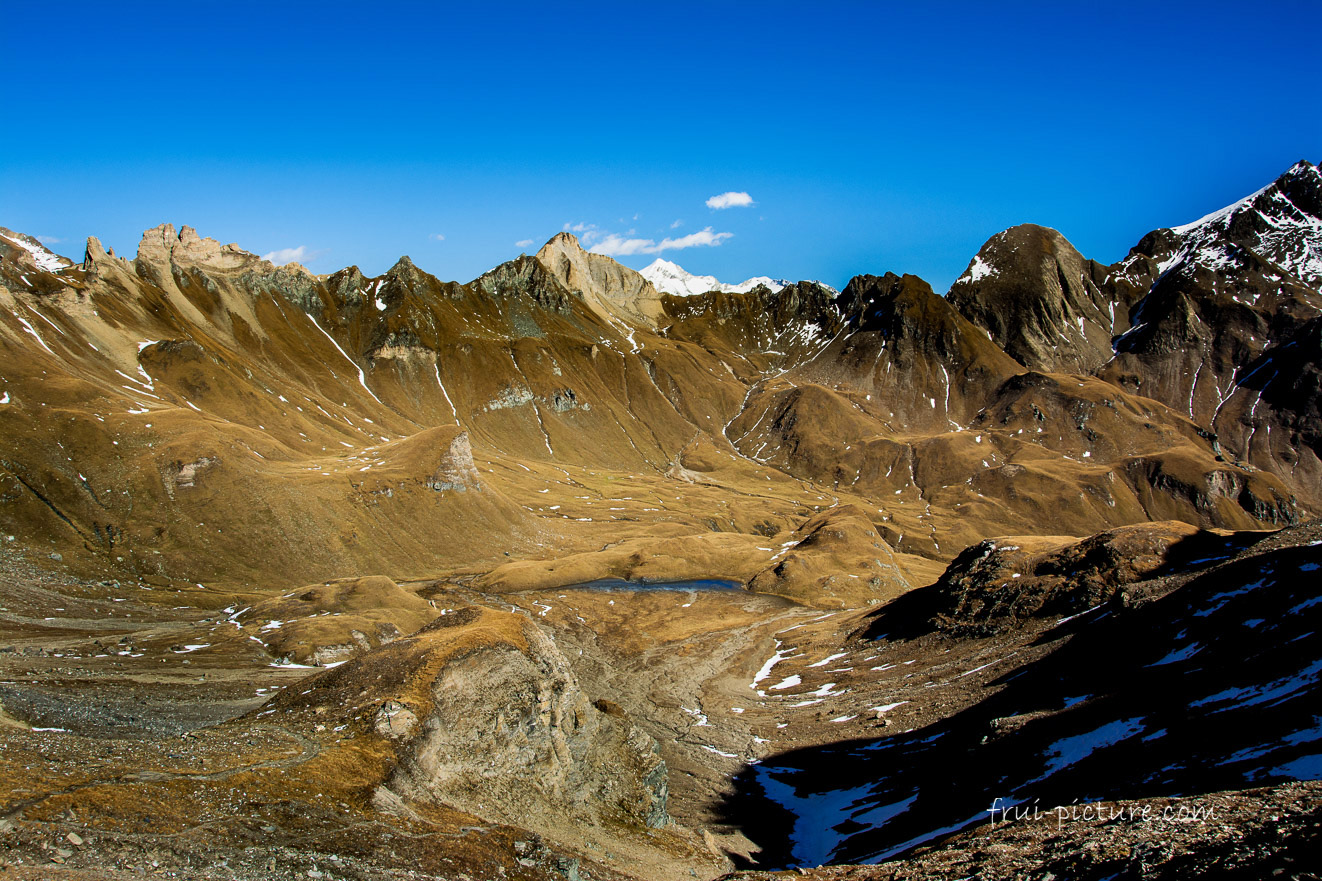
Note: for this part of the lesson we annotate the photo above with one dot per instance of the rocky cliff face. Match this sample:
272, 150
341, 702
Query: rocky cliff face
473, 722
511, 737
1227, 330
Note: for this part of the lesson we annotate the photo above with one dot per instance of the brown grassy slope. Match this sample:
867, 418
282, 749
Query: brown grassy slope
200, 414
837, 560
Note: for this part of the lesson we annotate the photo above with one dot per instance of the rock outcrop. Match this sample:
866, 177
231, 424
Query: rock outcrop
1004, 582
483, 714
456, 470
161, 245
512, 737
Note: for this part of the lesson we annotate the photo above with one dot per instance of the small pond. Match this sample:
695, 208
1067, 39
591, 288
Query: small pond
621, 584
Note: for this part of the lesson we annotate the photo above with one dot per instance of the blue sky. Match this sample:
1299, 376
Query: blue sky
868, 136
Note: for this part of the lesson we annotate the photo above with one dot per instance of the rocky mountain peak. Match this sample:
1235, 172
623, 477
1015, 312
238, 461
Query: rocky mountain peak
562, 240
350, 276
93, 252
1302, 183
161, 245
1230, 302
1039, 299
406, 271
610, 289
1281, 223
405, 277
910, 349
916, 323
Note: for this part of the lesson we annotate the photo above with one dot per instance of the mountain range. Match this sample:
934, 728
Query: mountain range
1180, 382
354, 458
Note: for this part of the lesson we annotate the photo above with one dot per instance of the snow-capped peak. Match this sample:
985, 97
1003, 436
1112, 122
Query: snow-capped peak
1220, 213
44, 257
670, 278
1279, 221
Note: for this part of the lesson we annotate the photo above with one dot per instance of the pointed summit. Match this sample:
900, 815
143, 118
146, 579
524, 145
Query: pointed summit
562, 240
611, 289
1281, 222
404, 265
406, 275
93, 252
1038, 298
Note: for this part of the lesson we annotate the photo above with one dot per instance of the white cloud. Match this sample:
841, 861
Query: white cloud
524, 243
702, 237
48, 240
287, 255
587, 232
677, 224
615, 245
618, 246
730, 200
437, 236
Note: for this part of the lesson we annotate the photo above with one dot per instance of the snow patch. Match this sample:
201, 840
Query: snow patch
44, 258
978, 270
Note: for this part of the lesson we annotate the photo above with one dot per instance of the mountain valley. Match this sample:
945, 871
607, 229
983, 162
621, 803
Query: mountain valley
572, 571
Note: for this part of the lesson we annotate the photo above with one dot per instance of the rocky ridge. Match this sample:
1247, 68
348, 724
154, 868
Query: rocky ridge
1215, 318
561, 473
568, 356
